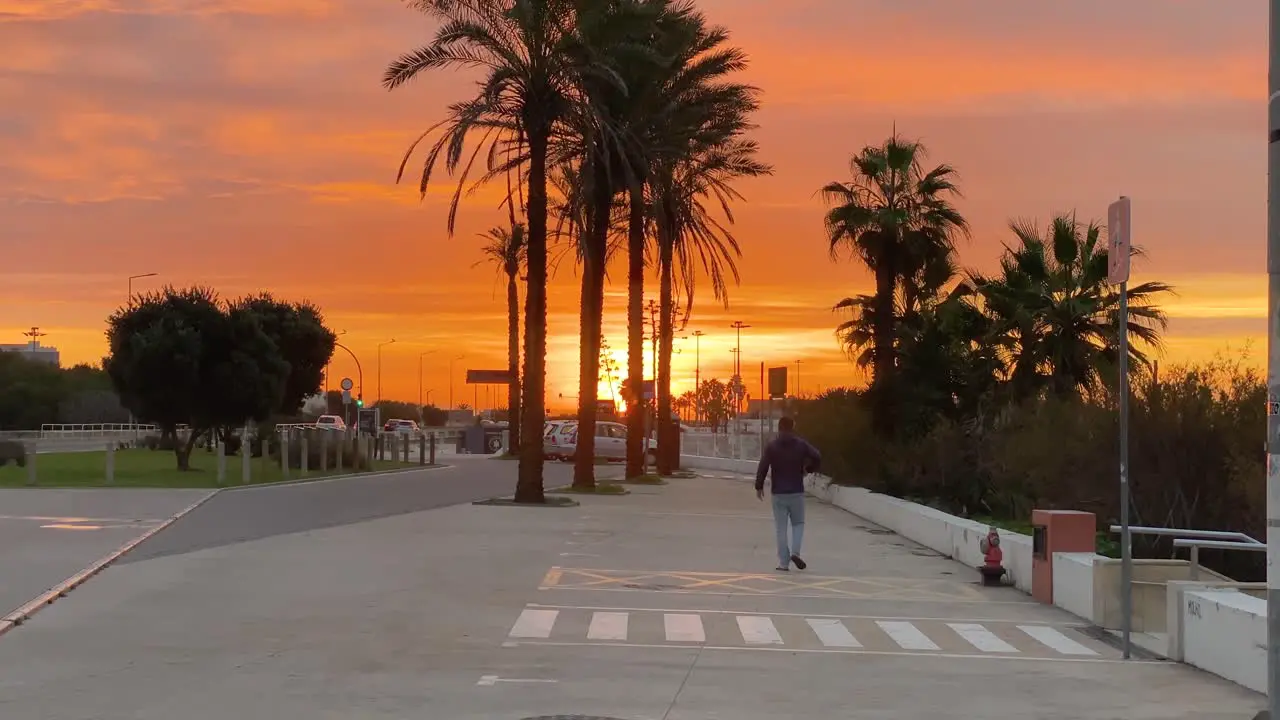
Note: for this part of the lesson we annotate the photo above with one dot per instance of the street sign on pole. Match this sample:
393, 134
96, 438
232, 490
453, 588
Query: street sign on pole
1118, 235
346, 397
1118, 244
346, 385
1273, 362
778, 382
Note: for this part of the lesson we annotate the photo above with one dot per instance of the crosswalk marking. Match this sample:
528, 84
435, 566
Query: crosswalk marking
758, 630
682, 627
907, 636
929, 637
534, 623
833, 633
982, 638
1056, 640
608, 626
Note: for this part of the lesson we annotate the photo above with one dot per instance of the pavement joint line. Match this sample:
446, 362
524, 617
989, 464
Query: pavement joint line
26, 612
831, 651
56, 518
714, 593
921, 618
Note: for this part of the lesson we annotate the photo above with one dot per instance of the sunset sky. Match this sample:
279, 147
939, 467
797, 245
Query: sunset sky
248, 145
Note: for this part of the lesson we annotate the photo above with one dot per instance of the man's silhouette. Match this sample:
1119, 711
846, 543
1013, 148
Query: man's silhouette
790, 458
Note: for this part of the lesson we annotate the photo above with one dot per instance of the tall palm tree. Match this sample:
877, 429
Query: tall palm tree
895, 217
506, 249
1055, 314
532, 62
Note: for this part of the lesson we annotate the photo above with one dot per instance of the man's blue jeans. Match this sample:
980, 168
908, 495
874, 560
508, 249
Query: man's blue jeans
788, 508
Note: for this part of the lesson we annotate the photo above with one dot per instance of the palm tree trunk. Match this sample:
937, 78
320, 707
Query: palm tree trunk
883, 365
529, 485
668, 454
584, 465
513, 364
635, 332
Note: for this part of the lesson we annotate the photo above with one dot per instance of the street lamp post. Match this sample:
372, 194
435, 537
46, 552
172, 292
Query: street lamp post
380, 346
420, 356
337, 335
737, 325
138, 277
451, 407
797, 390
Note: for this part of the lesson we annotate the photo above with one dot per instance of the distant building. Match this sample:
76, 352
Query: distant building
35, 351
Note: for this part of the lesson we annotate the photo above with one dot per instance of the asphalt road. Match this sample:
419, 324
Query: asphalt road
46, 536
244, 514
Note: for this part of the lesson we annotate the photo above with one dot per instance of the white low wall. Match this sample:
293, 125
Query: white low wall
1074, 582
954, 537
1225, 633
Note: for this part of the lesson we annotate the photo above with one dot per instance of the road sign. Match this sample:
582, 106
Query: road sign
346, 397
347, 384
488, 377
1118, 237
647, 390
778, 382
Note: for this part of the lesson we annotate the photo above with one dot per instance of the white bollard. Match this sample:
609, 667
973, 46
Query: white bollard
246, 455
111, 463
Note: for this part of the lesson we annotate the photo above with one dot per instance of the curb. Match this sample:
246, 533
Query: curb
330, 478
26, 612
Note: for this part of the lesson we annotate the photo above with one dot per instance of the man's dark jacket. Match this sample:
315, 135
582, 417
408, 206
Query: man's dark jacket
790, 457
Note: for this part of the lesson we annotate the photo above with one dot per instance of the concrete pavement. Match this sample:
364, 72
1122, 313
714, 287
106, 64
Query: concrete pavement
661, 604
46, 536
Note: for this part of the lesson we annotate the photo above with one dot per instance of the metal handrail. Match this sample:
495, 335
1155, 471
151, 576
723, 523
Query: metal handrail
1188, 533
1195, 546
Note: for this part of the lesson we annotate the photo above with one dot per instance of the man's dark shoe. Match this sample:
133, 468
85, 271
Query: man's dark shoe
801, 564
782, 569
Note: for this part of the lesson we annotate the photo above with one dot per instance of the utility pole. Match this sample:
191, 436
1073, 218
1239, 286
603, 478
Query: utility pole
797, 390
1273, 364
451, 406
420, 356
380, 346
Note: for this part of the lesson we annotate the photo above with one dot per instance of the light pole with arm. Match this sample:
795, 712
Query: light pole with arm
138, 277
380, 346
697, 375
451, 361
797, 390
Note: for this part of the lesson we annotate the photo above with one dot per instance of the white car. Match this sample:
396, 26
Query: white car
611, 441
402, 427
555, 434
330, 422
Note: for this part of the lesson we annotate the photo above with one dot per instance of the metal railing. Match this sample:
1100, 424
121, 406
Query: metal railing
1194, 540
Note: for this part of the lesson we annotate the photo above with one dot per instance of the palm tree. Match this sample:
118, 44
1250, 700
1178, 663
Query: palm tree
506, 249
1055, 313
699, 150
895, 217
532, 62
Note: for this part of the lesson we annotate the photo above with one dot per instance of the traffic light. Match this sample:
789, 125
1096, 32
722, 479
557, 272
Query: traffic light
360, 401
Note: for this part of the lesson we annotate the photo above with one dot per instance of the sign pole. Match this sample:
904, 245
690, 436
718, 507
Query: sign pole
1119, 250
1126, 546
1273, 365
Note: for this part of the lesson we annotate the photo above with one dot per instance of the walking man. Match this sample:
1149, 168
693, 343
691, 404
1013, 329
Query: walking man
790, 458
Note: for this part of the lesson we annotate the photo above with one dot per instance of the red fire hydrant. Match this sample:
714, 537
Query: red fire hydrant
992, 568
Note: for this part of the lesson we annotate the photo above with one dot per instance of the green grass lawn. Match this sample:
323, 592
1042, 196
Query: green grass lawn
155, 468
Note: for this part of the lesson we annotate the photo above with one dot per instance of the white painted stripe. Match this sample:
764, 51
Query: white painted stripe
534, 624
907, 636
757, 630
608, 626
682, 627
1056, 640
833, 633
982, 638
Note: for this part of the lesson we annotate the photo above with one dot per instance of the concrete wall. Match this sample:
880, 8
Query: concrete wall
1225, 633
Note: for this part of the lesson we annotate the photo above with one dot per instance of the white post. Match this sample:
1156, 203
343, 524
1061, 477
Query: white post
32, 452
221, 451
246, 454
302, 451
111, 462
1273, 363
324, 451
284, 455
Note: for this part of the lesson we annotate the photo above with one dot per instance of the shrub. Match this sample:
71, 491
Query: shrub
13, 450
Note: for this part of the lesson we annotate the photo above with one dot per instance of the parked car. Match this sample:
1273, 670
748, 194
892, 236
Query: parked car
611, 441
330, 422
554, 435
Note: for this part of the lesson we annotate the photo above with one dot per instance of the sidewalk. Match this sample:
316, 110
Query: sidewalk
659, 605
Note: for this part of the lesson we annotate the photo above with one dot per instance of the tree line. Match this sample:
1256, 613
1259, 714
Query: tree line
617, 127
34, 393
185, 357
